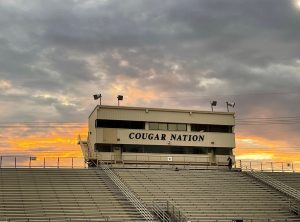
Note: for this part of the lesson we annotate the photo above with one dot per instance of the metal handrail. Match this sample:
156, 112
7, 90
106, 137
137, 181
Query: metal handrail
176, 214
278, 185
137, 203
161, 211
268, 166
98, 219
292, 193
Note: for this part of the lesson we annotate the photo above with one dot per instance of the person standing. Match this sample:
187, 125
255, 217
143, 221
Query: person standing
229, 163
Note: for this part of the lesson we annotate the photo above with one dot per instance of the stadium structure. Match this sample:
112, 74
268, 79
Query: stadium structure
150, 164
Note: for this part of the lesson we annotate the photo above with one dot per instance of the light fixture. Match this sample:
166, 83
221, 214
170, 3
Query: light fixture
120, 97
230, 104
212, 104
98, 96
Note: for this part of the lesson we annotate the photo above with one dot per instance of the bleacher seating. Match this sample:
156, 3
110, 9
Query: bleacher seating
209, 195
290, 179
62, 195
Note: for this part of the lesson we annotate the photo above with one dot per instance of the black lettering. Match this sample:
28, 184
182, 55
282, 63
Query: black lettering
144, 136
184, 137
179, 138
131, 136
138, 136
163, 136
173, 137
201, 138
190, 136
156, 137
150, 136
195, 138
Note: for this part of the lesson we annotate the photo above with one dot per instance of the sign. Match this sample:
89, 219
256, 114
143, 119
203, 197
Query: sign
163, 136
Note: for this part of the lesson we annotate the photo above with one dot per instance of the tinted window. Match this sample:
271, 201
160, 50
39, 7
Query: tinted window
120, 124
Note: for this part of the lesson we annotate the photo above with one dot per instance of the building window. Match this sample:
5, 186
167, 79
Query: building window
181, 127
167, 126
122, 124
163, 126
100, 147
211, 128
153, 126
223, 151
172, 126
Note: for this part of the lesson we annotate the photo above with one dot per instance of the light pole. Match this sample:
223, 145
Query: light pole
98, 96
119, 97
230, 104
212, 104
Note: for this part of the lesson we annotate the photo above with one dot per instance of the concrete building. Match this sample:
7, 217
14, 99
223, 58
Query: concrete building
135, 134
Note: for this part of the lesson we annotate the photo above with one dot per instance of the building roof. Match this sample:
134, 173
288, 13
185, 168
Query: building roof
161, 109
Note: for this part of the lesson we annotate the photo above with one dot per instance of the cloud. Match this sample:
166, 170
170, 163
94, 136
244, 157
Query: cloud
56, 54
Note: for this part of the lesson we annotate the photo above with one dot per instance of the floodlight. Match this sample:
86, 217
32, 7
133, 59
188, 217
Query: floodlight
98, 96
119, 97
232, 104
213, 103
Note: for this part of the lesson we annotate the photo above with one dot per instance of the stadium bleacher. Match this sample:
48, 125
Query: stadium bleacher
49, 194
209, 195
290, 179
62, 195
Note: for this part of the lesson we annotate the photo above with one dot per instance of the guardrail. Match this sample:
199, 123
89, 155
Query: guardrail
267, 166
41, 162
137, 203
161, 212
22, 161
102, 219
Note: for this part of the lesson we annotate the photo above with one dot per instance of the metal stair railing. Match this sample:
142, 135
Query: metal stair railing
176, 214
137, 203
281, 187
160, 210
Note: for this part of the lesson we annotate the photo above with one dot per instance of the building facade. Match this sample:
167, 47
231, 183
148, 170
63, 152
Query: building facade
135, 134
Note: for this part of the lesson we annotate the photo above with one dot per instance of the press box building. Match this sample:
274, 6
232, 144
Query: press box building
135, 134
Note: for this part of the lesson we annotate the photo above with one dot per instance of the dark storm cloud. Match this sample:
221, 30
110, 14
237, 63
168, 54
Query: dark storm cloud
187, 52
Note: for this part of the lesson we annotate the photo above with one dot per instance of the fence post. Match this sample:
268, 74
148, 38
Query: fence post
272, 166
45, 164
57, 162
72, 162
15, 161
1, 162
30, 162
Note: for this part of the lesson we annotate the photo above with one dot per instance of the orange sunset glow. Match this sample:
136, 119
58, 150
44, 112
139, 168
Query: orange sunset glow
62, 142
178, 55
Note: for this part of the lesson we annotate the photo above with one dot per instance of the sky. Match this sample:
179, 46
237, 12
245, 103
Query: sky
54, 55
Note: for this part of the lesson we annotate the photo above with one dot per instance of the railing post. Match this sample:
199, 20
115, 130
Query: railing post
1, 162
57, 162
261, 166
45, 164
167, 206
292, 167
272, 167
72, 162
30, 162
282, 166
15, 161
